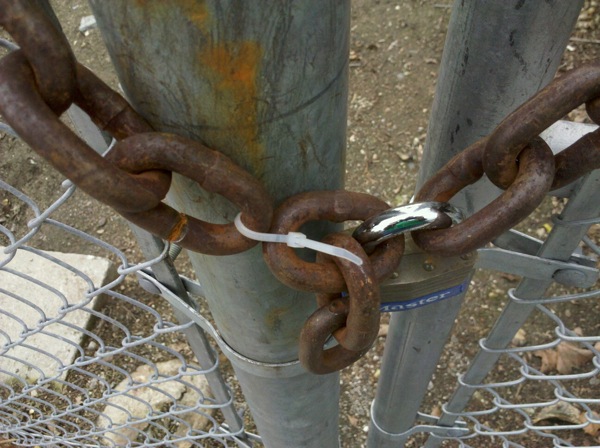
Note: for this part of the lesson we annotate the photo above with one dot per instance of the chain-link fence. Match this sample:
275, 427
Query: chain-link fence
88, 358
533, 377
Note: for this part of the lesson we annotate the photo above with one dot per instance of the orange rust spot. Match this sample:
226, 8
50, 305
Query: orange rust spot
195, 11
234, 68
179, 230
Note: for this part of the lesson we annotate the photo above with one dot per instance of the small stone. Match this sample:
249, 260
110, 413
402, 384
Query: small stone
87, 23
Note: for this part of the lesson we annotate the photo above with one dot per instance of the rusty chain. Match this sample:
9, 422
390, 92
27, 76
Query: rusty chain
516, 159
31, 102
41, 79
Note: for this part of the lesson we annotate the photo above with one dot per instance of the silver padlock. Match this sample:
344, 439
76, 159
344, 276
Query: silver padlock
423, 279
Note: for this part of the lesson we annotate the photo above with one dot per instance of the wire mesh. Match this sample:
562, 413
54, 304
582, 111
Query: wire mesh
540, 391
87, 358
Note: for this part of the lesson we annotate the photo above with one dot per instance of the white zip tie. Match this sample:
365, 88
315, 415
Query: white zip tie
296, 239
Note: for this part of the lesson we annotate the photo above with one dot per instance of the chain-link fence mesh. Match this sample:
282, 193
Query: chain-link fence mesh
533, 377
87, 358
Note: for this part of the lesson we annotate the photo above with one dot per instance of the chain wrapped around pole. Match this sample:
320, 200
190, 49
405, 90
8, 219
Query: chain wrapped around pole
515, 158
41, 79
335, 206
515, 132
352, 320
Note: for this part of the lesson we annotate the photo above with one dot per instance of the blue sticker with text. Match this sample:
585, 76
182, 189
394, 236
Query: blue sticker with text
405, 305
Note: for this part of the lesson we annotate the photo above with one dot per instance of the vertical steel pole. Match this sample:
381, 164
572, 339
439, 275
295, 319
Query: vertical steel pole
266, 83
496, 55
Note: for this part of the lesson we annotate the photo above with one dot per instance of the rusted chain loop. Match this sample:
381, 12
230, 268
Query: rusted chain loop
362, 324
536, 172
213, 171
31, 118
322, 323
334, 206
46, 49
577, 160
547, 106
109, 110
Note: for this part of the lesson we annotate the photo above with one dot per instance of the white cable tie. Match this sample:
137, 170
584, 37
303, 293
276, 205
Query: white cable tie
296, 239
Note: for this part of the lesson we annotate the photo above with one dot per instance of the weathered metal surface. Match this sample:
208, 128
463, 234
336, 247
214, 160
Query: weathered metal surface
315, 333
335, 206
496, 55
536, 172
527, 122
266, 84
45, 48
362, 323
23, 107
211, 170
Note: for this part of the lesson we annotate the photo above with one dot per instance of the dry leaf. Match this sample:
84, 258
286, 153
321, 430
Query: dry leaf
593, 429
564, 358
549, 358
562, 411
567, 413
436, 411
570, 356
520, 338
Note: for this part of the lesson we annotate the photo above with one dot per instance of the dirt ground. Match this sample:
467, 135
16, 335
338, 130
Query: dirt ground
396, 49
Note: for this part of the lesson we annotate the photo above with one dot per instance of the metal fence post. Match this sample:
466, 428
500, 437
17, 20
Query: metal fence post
496, 55
265, 83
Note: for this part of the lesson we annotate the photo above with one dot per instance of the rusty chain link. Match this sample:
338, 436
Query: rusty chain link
335, 206
33, 94
45, 48
536, 171
39, 81
315, 333
517, 130
517, 160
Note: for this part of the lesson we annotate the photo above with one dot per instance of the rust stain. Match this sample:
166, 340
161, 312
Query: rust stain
179, 230
234, 69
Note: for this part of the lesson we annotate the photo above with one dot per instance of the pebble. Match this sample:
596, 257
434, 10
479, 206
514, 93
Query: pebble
87, 23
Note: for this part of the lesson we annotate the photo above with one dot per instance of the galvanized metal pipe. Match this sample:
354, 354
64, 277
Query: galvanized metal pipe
496, 55
265, 83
